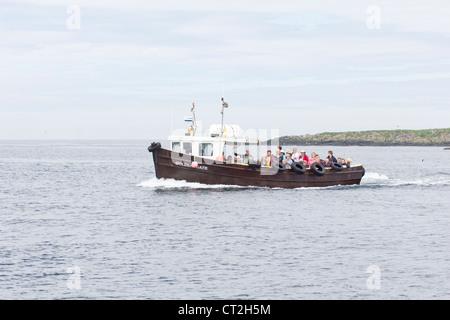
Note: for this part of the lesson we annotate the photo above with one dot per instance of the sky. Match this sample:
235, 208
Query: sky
132, 69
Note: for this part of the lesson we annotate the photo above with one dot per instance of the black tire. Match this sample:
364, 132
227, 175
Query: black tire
318, 169
298, 167
336, 166
254, 165
154, 146
281, 167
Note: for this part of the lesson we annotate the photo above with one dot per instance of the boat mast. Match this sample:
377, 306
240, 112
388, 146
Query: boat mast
224, 105
194, 127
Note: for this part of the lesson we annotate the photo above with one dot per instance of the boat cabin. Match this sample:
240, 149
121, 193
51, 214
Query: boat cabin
214, 143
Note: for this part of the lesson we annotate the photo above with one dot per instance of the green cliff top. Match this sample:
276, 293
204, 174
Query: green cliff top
401, 137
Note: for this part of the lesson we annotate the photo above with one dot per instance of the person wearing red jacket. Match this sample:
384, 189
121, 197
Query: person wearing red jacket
303, 156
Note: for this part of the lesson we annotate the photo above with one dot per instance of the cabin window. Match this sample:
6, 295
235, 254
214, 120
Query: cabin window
176, 146
187, 146
206, 149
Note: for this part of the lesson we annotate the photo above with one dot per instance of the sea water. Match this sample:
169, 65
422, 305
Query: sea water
89, 220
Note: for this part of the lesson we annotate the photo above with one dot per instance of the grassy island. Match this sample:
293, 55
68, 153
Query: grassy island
425, 137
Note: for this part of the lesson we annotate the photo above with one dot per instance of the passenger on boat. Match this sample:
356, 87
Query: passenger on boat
303, 156
268, 160
221, 158
349, 162
330, 157
280, 154
294, 154
288, 162
342, 162
314, 158
248, 157
237, 158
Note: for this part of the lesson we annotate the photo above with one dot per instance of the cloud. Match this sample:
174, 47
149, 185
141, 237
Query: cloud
142, 57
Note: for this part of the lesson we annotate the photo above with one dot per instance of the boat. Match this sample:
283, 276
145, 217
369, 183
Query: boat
213, 158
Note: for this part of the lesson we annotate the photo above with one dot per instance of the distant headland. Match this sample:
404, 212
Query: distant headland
400, 137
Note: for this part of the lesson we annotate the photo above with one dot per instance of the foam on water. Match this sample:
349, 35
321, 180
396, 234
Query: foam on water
182, 184
168, 184
374, 178
421, 182
377, 179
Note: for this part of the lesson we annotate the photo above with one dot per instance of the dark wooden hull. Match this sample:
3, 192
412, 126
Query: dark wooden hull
178, 167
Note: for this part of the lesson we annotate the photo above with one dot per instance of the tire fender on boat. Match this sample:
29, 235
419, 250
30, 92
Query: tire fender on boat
336, 166
281, 167
254, 165
298, 167
154, 146
318, 169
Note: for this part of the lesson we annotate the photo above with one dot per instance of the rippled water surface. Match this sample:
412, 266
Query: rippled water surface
88, 220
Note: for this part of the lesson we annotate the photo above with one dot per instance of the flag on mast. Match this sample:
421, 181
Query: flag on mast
224, 104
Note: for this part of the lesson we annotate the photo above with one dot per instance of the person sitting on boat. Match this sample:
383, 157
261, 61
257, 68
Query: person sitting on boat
237, 158
268, 160
221, 158
286, 152
280, 154
305, 163
349, 162
330, 157
342, 162
303, 156
288, 162
248, 157
295, 155
314, 158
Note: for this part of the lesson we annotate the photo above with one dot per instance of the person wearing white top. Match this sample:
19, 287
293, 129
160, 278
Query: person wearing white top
295, 154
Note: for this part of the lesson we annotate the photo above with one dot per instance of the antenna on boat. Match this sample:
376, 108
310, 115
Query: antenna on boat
224, 105
193, 125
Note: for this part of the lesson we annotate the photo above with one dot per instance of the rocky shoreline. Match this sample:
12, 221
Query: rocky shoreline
425, 137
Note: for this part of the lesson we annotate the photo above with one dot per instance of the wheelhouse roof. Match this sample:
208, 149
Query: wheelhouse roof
213, 139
